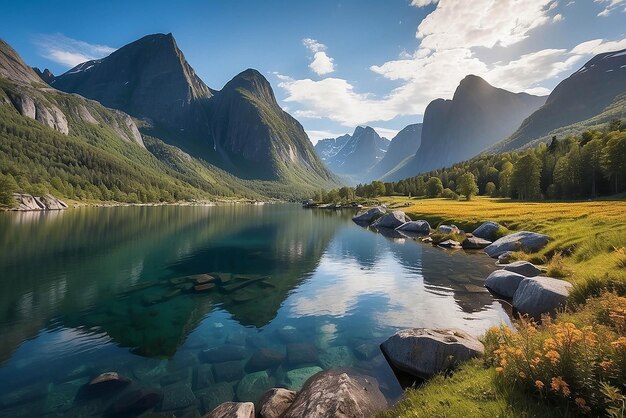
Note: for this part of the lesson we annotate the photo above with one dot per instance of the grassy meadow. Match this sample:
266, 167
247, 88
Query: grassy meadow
587, 247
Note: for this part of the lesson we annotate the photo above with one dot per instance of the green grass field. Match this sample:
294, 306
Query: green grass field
590, 236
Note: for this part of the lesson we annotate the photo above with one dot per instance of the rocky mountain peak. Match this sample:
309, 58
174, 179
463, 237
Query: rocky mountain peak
46, 75
252, 82
13, 68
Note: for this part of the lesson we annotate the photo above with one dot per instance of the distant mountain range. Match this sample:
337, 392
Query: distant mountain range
240, 130
478, 116
593, 95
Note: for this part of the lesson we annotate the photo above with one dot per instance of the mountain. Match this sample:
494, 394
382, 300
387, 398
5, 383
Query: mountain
591, 96
46, 75
328, 147
240, 129
477, 117
361, 152
402, 146
75, 148
257, 138
149, 78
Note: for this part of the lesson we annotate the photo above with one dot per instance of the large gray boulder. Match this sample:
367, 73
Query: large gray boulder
518, 241
448, 229
52, 203
418, 227
539, 295
340, 393
504, 282
275, 402
27, 202
391, 220
524, 268
232, 410
475, 243
487, 230
424, 352
370, 216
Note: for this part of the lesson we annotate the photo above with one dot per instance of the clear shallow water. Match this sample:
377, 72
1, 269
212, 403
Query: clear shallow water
98, 289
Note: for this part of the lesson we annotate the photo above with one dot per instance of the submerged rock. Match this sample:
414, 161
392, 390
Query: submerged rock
61, 396
391, 220
228, 371
301, 353
418, 227
177, 396
264, 359
275, 402
336, 357
223, 353
518, 241
504, 282
215, 395
203, 376
487, 230
338, 393
367, 351
105, 383
297, 377
524, 268
136, 402
253, 386
233, 410
424, 352
540, 295
370, 216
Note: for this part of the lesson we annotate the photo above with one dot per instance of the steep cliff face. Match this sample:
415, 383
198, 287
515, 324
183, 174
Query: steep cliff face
404, 145
22, 88
478, 116
583, 95
149, 78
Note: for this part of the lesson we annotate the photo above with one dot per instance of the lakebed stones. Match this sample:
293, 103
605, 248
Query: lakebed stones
539, 295
215, 395
254, 385
391, 220
338, 393
104, 383
367, 350
228, 371
336, 357
518, 241
424, 352
370, 216
416, 227
264, 359
296, 378
524, 268
136, 402
223, 353
301, 353
275, 402
177, 396
504, 282
203, 376
487, 230
475, 243
232, 410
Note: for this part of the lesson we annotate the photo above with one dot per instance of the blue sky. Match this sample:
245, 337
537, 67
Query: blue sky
337, 64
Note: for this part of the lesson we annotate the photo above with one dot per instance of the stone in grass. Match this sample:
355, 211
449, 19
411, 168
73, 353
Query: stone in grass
135, 402
177, 396
338, 393
296, 378
228, 371
504, 282
474, 243
524, 268
518, 241
487, 230
203, 376
223, 353
253, 386
275, 402
264, 359
391, 220
336, 357
301, 353
448, 229
233, 410
215, 395
536, 296
423, 352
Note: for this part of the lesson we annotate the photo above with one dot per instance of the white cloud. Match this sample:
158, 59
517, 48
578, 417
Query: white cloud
610, 6
558, 18
598, 46
386, 132
322, 64
67, 51
315, 135
422, 3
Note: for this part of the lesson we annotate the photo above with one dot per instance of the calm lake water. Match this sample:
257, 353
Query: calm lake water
91, 290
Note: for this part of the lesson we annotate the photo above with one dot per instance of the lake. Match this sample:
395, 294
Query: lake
92, 290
